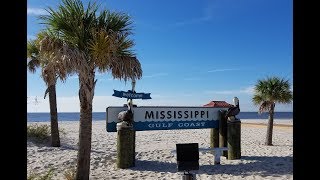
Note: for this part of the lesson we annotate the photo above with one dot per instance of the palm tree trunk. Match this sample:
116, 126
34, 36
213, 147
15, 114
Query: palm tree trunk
85, 129
270, 126
55, 139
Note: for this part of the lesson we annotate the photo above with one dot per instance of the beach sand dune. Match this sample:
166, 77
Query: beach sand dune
154, 157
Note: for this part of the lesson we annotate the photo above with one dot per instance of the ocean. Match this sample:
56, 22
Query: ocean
101, 116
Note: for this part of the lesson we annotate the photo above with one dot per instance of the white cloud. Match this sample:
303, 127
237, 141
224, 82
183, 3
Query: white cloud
100, 103
191, 79
36, 11
247, 90
72, 104
192, 21
156, 75
220, 92
158, 96
206, 16
222, 70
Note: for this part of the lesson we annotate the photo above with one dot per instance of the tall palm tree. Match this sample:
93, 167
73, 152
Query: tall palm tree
86, 42
268, 92
50, 78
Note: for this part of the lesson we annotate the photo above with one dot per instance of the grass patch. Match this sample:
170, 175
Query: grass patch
42, 133
39, 133
62, 132
70, 174
46, 176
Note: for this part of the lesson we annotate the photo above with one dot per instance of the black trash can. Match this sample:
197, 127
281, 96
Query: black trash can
187, 156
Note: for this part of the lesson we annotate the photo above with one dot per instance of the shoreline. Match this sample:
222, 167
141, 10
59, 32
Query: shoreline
259, 122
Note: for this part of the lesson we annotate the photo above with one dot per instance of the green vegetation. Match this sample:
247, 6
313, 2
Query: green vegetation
46, 176
70, 174
62, 132
39, 133
79, 39
49, 76
268, 92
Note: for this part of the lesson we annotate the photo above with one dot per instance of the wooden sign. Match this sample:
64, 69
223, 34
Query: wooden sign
131, 95
166, 118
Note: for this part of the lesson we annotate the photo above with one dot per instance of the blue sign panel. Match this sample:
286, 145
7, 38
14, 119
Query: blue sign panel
131, 95
166, 118
145, 126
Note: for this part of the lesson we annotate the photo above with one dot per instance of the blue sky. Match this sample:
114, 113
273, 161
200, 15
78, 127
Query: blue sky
191, 52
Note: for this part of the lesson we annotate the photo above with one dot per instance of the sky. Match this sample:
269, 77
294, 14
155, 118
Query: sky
191, 52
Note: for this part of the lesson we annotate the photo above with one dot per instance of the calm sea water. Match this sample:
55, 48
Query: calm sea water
96, 116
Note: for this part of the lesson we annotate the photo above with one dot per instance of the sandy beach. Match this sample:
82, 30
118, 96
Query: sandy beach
154, 157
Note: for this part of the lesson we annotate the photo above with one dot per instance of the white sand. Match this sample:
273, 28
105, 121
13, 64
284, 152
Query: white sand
265, 121
154, 159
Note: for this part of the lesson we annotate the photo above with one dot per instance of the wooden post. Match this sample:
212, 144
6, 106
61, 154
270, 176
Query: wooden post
125, 148
214, 137
234, 140
134, 148
126, 140
133, 84
133, 134
188, 176
223, 132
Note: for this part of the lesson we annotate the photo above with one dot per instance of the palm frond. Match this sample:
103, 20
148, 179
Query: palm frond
32, 54
102, 47
80, 41
257, 99
265, 106
126, 68
271, 90
124, 45
63, 59
48, 74
115, 21
33, 64
72, 22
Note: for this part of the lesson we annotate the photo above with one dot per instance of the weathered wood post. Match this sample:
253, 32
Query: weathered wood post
133, 83
125, 140
125, 147
132, 133
125, 126
234, 139
234, 131
126, 137
134, 148
214, 137
223, 131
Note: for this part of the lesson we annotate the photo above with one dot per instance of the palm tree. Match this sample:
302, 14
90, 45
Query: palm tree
85, 42
50, 78
267, 93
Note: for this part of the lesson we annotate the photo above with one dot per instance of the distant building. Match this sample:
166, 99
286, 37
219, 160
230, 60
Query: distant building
220, 104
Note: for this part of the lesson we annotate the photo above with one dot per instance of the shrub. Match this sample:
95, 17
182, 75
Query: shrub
46, 176
62, 132
39, 133
70, 174
42, 133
